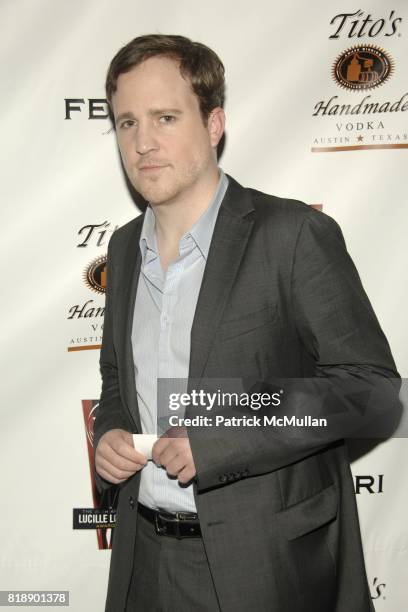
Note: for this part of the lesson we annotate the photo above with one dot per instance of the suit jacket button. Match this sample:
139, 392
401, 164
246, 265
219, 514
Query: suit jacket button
131, 502
223, 478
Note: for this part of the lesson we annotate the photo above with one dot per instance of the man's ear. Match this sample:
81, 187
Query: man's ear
216, 125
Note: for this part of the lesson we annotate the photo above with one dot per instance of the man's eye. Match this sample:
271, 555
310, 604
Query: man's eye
126, 124
166, 118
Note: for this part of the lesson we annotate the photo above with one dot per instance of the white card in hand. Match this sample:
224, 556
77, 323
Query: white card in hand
144, 443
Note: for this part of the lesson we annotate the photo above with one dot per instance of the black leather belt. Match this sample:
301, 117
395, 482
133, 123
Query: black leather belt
178, 525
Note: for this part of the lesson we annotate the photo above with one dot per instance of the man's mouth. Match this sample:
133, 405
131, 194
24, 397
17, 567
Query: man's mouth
151, 167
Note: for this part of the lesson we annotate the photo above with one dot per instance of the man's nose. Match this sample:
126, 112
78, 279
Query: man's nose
146, 140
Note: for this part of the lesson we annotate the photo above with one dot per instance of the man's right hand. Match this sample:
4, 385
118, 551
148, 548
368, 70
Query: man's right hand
116, 458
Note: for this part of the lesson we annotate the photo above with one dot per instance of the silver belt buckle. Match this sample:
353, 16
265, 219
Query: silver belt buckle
160, 529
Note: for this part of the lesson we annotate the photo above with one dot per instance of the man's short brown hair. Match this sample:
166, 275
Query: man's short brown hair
198, 63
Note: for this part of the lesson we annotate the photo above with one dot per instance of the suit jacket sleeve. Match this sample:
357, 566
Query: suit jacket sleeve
355, 380
110, 413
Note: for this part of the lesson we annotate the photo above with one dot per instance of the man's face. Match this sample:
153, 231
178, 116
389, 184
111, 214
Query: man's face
167, 151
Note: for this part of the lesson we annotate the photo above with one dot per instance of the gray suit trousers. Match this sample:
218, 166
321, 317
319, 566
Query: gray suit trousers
169, 575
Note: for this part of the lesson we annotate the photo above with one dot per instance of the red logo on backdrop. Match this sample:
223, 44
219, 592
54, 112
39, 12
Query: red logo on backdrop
89, 408
103, 514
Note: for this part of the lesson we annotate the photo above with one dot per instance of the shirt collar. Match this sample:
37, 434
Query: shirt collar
201, 231
147, 242
203, 228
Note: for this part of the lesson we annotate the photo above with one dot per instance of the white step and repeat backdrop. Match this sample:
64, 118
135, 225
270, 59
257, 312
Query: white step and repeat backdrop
317, 105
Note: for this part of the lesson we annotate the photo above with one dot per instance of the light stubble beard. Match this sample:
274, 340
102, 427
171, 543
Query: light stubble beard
158, 190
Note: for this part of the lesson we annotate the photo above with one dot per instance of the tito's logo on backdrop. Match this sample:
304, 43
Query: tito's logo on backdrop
86, 316
359, 120
362, 67
95, 274
358, 25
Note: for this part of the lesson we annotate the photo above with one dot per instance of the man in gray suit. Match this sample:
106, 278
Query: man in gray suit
218, 282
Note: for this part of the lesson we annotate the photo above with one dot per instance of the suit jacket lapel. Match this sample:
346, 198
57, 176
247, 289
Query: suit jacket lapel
231, 232
131, 274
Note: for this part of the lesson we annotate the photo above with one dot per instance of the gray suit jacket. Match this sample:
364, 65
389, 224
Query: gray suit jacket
280, 299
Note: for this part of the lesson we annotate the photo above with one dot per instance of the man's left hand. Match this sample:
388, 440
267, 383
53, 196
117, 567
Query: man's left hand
173, 452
